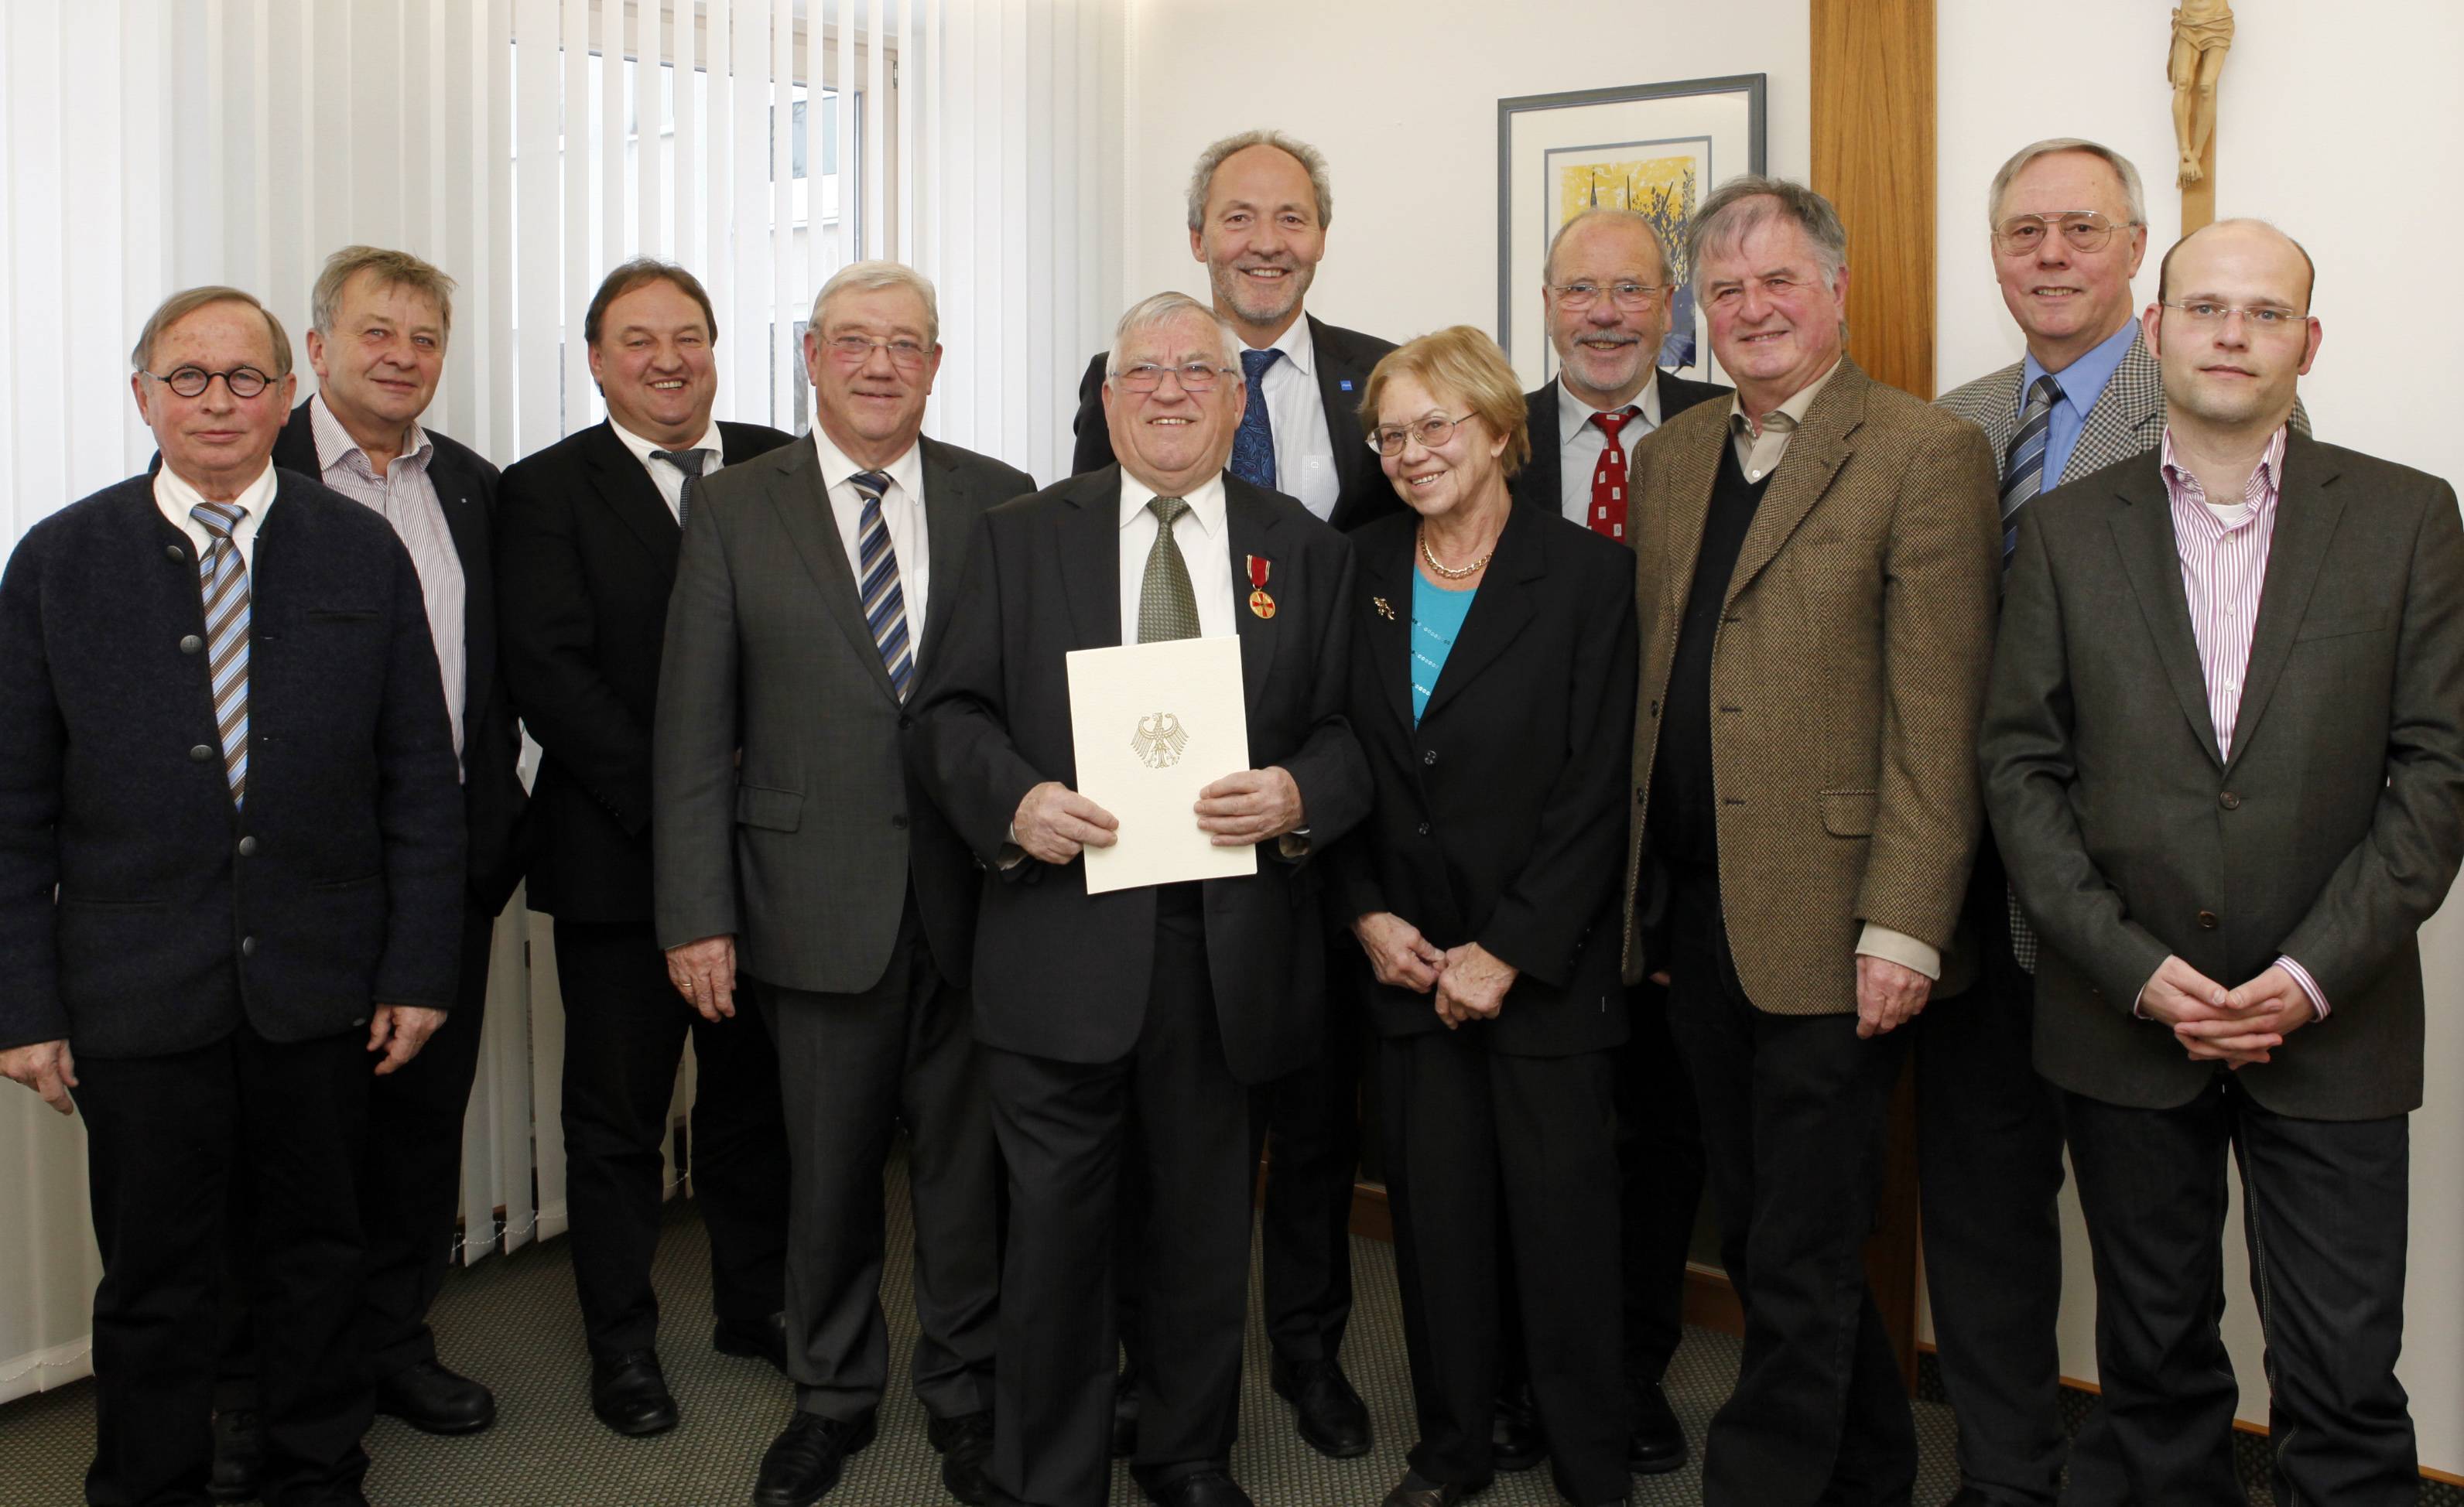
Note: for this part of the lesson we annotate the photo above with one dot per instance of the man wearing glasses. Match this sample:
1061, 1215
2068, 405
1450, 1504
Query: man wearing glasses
800, 875
231, 857
2224, 755
1166, 1003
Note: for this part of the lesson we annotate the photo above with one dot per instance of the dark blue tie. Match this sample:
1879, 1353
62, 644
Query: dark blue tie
1253, 449
2023, 463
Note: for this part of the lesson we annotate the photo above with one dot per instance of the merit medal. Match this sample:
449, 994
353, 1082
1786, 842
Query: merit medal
1260, 602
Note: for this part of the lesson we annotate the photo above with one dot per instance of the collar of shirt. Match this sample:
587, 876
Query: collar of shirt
2191, 502
174, 497
1760, 449
335, 445
906, 472
1205, 502
1573, 414
2083, 380
1300, 352
641, 447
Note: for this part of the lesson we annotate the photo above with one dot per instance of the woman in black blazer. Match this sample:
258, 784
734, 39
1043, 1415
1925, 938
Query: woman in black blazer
1493, 690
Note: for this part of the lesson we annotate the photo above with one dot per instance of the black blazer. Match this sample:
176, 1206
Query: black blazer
1344, 360
1501, 818
1065, 974
1542, 481
585, 561
493, 801
336, 888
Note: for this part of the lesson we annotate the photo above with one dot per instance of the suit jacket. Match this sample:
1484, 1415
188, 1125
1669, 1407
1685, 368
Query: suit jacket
1542, 481
1065, 974
1344, 360
2330, 834
803, 844
492, 799
338, 886
1846, 680
1501, 818
585, 561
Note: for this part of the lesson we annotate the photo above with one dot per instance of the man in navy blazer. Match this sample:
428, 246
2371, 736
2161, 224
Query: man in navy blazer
230, 869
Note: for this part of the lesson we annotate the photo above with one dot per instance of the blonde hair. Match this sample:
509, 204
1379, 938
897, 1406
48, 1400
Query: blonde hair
392, 269
187, 302
1462, 360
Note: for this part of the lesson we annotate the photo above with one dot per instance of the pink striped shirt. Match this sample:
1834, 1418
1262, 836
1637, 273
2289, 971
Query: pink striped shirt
2224, 567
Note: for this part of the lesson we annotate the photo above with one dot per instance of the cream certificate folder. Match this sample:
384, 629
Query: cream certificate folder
1153, 725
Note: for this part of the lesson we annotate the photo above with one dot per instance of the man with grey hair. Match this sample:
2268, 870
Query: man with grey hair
1816, 581
1167, 1004
230, 852
800, 872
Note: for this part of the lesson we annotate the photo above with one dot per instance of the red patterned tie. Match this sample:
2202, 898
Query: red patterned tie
1608, 478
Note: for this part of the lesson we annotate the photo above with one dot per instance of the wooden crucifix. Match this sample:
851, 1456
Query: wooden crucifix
2202, 35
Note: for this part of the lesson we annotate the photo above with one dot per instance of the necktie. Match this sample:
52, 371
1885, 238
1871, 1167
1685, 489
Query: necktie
1608, 477
222, 580
2023, 476
691, 463
1253, 447
885, 601
1167, 603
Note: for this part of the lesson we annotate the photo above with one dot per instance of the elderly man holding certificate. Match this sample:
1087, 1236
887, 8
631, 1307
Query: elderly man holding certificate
1160, 1003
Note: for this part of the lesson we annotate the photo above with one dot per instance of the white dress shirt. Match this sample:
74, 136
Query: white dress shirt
1580, 441
1205, 542
902, 510
175, 497
664, 475
1296, 411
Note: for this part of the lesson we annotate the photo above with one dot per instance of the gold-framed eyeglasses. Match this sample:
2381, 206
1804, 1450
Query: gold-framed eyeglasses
191, 382
1147, 375
1582, 294
857, 349
2210, 314
1387, 438
2080, 229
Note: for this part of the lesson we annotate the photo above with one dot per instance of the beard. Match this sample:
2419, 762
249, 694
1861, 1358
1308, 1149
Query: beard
1259, 303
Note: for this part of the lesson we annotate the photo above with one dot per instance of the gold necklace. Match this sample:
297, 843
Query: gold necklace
1449, 571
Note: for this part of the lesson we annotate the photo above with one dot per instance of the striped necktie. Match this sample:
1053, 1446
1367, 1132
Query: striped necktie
2023, 465
885, 601
222, 580
1167, 602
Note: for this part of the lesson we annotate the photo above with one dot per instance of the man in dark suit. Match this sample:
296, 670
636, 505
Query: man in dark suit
586, 559
1260, 203
2224, 754
797, 864
230, 845
1171, 1002
1607, 301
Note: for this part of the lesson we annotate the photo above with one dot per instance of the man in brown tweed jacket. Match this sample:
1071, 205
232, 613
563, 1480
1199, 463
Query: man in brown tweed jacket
1816, 566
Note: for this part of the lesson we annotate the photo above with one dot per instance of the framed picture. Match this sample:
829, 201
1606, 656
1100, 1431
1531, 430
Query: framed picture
1656, 148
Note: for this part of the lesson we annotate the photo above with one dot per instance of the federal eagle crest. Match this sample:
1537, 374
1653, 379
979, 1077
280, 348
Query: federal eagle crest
1159, 740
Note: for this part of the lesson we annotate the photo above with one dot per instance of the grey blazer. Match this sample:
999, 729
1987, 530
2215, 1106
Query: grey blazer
2331, 832
781, 810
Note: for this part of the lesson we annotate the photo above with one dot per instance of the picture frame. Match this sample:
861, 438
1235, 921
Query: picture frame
1659, 147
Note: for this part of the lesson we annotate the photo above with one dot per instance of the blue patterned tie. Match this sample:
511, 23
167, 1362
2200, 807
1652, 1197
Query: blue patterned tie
884, 602
2023, 476
222, 580
1253, 449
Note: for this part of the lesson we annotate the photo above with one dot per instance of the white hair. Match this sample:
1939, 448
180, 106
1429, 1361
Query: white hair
871, 277
1162, 308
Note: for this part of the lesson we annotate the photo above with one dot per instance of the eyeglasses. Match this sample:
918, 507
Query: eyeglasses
191, 382
1576, 295
1387, 438
1147, 375
2082, 230
2208, 314
857, 349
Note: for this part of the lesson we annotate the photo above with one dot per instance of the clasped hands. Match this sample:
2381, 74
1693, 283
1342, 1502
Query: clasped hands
1054, 823
2233, 1026
1468, 982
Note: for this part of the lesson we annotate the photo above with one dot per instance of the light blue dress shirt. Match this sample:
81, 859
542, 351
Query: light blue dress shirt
2082, 383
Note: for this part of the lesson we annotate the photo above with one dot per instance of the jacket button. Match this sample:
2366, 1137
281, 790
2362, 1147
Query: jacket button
898, 819
176, 553
2230, 801
201, 753
248, 947
191, 645
1423, 829
2206, 921
1655, 707
1429, 757
247, 847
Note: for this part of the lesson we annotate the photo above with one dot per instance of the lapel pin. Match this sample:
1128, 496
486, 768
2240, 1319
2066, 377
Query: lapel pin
1383, 610
1344, 382
1260, 602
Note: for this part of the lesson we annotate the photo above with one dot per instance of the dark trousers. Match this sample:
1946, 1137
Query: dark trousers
851, 1068
1793, 1117
1471, 1135
625, 1029
1989, 1171
1312, 1119
165, 1138
1062, 1127
2325, 1209
1659, 1176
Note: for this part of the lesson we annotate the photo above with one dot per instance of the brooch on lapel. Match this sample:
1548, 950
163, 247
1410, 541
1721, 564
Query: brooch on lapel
1383, 610
1260, 602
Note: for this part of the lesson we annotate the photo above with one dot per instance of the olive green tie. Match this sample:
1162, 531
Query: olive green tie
1167, 604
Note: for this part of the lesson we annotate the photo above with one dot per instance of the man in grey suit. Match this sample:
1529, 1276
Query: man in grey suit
2224, 756
814, 583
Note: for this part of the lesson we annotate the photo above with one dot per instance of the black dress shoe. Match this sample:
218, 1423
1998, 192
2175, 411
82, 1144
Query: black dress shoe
1515, 1440
1125, 1413
631, 1395
434, 1400
1205, 1489
804, 1462
966, 1446
239, 1455
753, 1340
1327, 1413
1416, 1489
1658, 1443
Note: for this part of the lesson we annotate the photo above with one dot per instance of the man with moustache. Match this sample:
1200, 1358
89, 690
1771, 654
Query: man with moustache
2224, 754
1171, 1002
586, 563
1260, 203
1817, 582
796, 866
